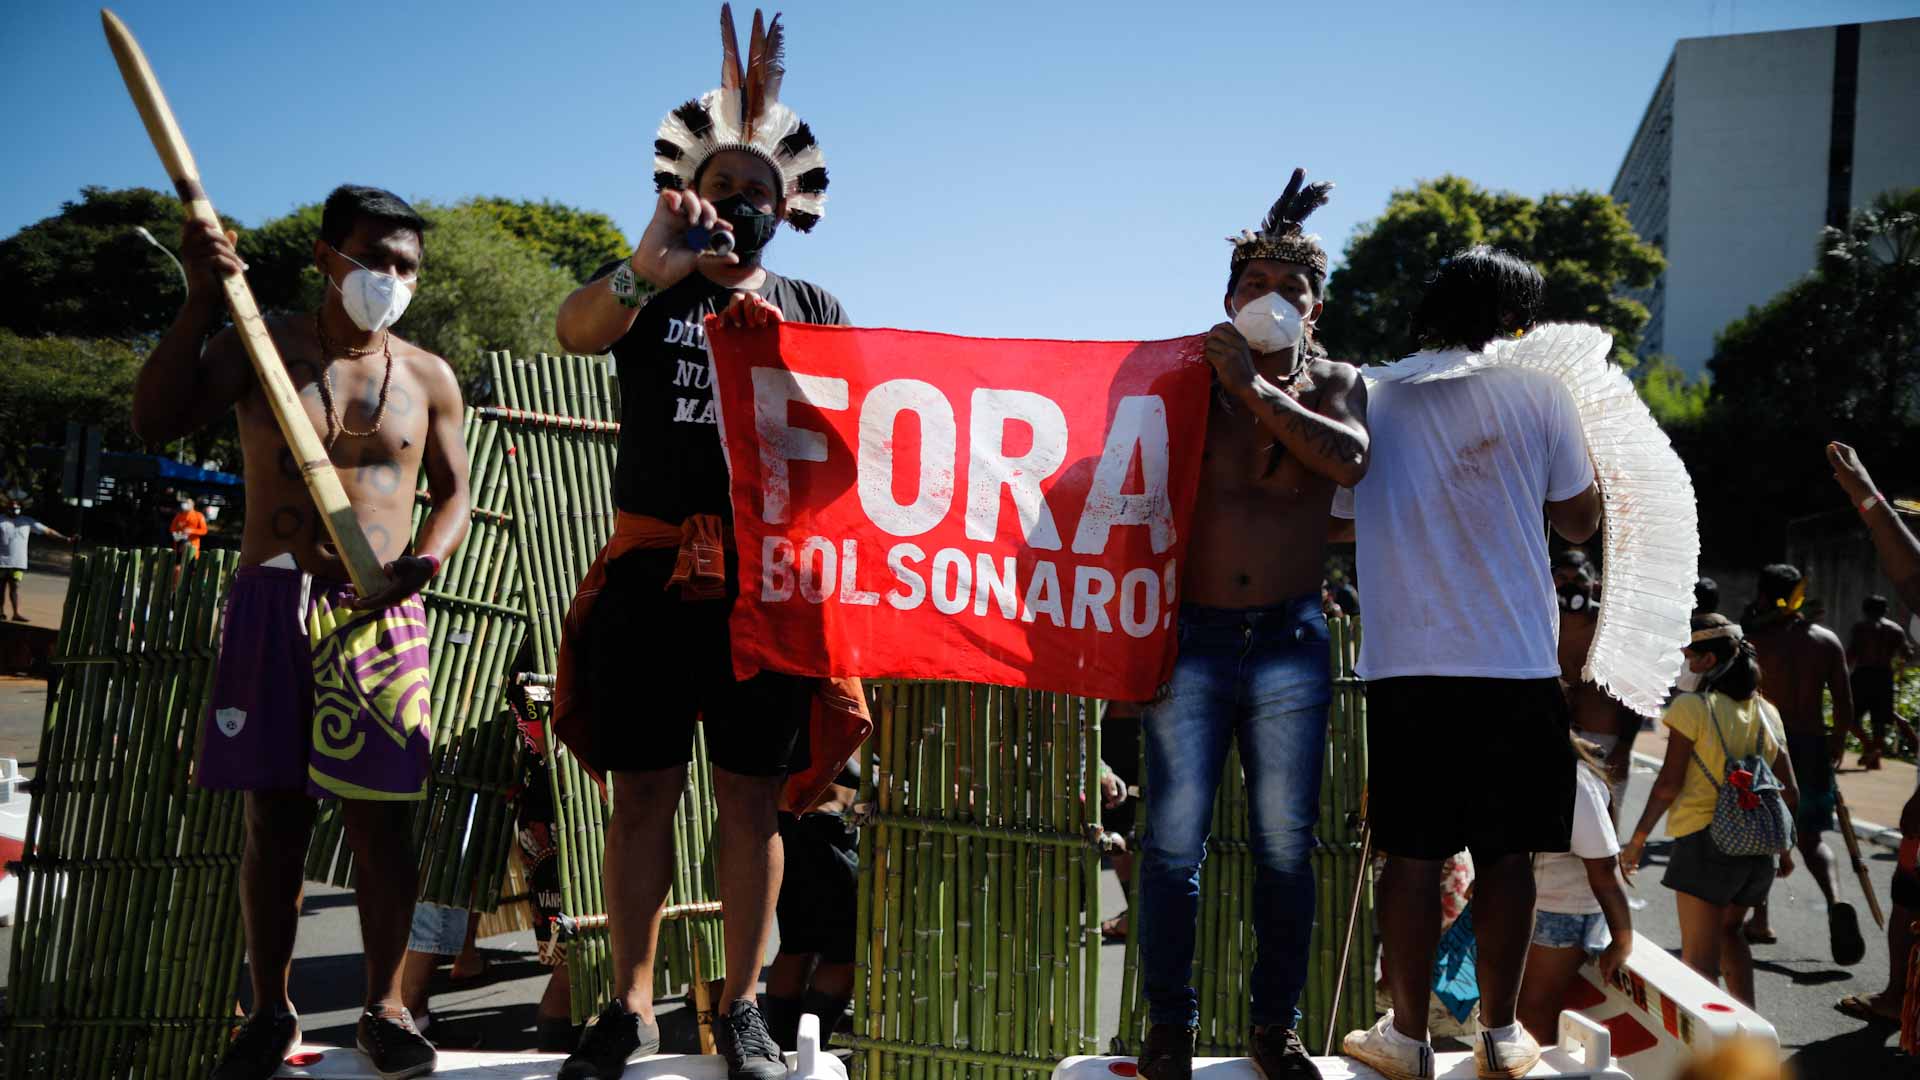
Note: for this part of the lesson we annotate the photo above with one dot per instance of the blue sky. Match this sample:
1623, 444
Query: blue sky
999, 168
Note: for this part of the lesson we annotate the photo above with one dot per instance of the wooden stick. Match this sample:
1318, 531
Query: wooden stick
323, 484
1853, 851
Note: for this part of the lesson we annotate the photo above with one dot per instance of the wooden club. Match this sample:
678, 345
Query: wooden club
323, 484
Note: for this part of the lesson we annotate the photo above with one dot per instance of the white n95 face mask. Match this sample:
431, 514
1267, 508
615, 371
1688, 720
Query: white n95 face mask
374, 301
1270, 323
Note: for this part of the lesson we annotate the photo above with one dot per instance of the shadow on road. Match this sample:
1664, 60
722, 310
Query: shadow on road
1861, 1054
1802, 975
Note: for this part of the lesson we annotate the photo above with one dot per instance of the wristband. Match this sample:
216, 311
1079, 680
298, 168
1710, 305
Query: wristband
432, 561
1870, 502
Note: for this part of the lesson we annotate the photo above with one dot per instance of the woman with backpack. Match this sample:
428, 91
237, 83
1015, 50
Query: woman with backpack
1727, 790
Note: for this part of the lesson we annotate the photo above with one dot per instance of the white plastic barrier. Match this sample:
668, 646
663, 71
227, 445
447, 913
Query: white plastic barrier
339, 1063
1583, 1052
13, 834
1661, 1013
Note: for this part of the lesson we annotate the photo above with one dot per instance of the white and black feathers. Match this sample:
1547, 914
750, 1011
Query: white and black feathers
745, 113
1281, 234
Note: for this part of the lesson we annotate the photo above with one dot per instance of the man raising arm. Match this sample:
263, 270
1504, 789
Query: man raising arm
1285, 426
295, 713
646, 650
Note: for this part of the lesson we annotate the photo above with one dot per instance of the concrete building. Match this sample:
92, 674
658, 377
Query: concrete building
1751, 144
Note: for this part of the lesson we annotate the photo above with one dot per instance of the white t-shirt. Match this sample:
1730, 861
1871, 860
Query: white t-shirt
1560, 879
1451, 524
13, 540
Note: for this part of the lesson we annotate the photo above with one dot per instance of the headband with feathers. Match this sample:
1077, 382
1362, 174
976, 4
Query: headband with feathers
1281, 236
745, 113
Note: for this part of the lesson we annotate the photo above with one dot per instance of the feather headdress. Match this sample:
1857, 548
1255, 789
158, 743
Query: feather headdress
745, 113
1281, 235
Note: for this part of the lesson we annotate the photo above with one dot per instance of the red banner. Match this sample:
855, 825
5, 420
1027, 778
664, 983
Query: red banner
914, 505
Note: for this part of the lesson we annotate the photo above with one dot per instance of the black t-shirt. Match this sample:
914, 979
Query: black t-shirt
670, 464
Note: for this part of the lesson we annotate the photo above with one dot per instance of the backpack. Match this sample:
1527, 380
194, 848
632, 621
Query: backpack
1750, 816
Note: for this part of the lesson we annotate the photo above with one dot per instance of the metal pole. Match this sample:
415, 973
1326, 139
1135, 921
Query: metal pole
171, 257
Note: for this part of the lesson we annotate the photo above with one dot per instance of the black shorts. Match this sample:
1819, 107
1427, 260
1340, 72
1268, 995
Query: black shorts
662, 665
1455, 763
820, 888
1699, 869
1906, 890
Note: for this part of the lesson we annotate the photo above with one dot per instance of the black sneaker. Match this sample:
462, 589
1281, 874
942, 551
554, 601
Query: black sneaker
1278, 1054
1168, 1053
393, 1045
742, 1038
264, 1042
614, 1038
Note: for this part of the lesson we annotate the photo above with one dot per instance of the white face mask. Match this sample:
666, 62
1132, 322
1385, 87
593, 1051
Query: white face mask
1689, 680
185, 507
374, 301
1270, 324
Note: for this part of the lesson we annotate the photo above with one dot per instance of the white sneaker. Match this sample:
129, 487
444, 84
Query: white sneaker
1388, 1052
1505, 1058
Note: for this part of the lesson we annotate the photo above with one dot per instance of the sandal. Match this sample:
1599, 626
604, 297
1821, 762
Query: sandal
1759, 937
1860, 1007
1115, 929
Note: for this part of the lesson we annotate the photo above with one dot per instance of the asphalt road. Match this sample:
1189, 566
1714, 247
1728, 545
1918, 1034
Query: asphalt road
1797, 981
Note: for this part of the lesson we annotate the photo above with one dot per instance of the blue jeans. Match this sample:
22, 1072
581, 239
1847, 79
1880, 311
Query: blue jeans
1262, 676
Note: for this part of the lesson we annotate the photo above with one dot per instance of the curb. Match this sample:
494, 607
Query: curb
1867, 831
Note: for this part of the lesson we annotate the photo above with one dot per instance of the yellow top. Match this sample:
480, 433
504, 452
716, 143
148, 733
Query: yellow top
1745, 725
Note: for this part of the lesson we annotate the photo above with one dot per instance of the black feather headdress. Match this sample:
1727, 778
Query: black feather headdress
1281, 234
745, 113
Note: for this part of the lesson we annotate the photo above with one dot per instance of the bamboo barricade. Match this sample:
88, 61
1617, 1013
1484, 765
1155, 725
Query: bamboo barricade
559, 418
978, 913
128, 945
476, 622
1224, 946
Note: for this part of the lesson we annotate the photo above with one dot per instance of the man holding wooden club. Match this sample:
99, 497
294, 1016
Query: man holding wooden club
321, 692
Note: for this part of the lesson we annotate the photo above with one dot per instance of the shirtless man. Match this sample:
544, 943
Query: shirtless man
281, 727
1596, 716
1798, 660
1875, 647
1285, 427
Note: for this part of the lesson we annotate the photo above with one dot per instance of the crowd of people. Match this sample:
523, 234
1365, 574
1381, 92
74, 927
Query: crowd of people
1473, 673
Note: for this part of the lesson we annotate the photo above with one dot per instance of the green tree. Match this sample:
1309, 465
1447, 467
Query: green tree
481, 289
1581, 241
85, 272
1675, 400
577, 241
51, 380
1834, 356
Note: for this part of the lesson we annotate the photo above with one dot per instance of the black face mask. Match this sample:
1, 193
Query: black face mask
752, 227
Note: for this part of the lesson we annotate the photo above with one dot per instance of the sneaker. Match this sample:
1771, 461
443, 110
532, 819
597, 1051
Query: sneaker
1843, 932
1168, 1052
1388, 1052
1278, 1054
264, 1042
1505, 1055
394, 1046
742, 1037
612, 1039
